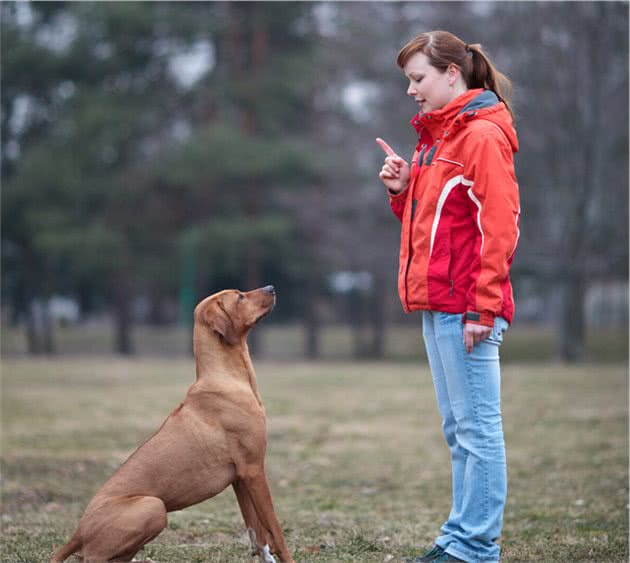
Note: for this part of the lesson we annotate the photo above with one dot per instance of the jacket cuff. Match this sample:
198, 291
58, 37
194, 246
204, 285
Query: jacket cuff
396, 195
473, 317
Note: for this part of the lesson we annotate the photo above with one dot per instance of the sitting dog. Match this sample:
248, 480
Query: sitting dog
215, 438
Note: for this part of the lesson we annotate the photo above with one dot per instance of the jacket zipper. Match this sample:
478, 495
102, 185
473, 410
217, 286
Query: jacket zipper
414, 203
421, 163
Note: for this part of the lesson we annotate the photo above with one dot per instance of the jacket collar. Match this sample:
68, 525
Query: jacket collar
486, 99
435, 121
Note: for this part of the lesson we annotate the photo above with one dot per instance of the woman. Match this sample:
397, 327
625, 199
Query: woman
459, 207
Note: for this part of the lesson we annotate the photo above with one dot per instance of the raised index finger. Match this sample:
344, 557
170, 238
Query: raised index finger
388, 150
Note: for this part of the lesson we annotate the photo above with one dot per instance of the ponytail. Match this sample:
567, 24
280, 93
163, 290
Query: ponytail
483, 74
443, 49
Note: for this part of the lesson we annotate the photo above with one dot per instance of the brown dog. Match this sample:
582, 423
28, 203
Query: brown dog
215, 438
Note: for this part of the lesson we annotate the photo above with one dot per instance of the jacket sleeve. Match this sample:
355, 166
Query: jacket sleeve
494, 205
397, 201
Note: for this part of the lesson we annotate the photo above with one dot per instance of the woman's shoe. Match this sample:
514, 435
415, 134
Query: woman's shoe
446, 558
429, 556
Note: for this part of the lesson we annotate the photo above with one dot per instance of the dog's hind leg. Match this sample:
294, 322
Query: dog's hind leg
73, 545
120, 527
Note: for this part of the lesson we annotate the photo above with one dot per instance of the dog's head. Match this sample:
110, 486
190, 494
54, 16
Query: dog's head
232, 313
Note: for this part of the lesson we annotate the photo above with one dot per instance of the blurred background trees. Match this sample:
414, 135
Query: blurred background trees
153, 153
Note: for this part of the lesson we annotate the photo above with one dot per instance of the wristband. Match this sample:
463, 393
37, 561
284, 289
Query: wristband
472, 316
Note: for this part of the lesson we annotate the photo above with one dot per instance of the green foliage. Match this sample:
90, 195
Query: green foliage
227, 158
227, 242
106, 179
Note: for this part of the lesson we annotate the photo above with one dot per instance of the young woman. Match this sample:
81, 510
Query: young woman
459, 207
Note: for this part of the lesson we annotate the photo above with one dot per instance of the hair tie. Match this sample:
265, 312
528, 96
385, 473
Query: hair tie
468, 48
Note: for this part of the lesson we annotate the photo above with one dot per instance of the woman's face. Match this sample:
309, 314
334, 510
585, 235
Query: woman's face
431, 88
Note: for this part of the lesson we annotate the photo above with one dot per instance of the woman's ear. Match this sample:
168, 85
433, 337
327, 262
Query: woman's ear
453, 74
217, 318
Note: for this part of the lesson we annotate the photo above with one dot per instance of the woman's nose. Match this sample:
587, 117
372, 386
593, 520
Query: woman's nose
411, 91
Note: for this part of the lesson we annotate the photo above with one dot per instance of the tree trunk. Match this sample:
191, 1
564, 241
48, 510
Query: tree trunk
187, 293
257, 44
122, 304
377, 316
311, 320
585, 188
357, 317
39, 329
253, 281
32, 340
48, 331
571, 339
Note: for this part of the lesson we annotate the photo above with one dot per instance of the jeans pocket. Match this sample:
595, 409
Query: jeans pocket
446, 319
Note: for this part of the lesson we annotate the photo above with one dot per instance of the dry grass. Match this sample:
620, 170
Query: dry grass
356, 460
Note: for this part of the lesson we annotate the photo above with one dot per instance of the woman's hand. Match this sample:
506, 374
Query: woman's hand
395, 172
473, 334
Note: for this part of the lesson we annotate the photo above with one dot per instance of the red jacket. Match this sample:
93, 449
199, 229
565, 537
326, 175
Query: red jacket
460, 211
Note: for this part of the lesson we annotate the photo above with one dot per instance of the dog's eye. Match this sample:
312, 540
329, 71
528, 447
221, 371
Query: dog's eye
241, 297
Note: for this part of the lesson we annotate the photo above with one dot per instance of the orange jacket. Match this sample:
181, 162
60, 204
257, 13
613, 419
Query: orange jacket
460, 211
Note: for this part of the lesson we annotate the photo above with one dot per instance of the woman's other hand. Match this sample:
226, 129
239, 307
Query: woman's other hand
473, 334
395, 172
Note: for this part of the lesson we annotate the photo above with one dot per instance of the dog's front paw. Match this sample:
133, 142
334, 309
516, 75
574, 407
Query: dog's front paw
266, 555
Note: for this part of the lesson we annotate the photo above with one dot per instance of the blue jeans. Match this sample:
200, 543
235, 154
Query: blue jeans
468, 390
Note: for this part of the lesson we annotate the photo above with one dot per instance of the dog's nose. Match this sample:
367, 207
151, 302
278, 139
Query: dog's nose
270, 289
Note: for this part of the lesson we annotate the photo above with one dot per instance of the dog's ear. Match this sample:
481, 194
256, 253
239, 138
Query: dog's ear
218, 320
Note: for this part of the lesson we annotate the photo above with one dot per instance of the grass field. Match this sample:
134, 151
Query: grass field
356, 460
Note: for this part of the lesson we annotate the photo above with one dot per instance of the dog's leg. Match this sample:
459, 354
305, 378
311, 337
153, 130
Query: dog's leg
264, 552
119, 528
255, 483
73, 545
259, 536
266, 555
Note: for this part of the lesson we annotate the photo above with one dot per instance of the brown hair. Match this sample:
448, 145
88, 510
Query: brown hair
443, 49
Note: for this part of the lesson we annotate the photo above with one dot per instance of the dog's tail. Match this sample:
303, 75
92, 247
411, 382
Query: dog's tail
67, 550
